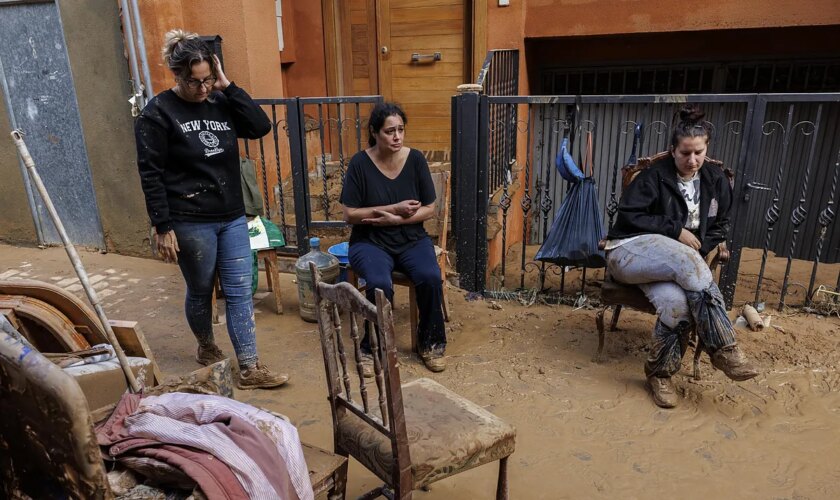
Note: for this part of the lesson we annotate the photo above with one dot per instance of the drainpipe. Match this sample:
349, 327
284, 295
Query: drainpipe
128, 32
141, 46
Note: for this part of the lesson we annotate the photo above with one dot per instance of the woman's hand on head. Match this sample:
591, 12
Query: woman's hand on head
166, 245
687, 238
222, 81
383, 218
407, 208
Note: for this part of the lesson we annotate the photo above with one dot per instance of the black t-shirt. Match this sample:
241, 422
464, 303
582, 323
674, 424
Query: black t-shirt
366, 186
188, 155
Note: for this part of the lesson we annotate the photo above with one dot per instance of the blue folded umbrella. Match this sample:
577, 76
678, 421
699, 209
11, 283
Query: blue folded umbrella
566, 165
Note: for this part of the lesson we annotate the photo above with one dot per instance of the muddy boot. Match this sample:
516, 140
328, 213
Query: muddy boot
209, 354
260, 377
733, 362
663, 392
434, 360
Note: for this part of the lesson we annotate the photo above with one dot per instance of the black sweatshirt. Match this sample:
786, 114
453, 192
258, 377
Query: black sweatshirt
188, 155
653, 203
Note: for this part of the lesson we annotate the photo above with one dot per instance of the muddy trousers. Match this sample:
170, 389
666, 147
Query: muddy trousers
419, 263
208, 247
679, 284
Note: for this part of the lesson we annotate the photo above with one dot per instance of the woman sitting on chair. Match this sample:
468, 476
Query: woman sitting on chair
669, 218
388, 193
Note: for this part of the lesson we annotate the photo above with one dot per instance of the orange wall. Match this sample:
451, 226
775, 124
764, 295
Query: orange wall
306, 76
555, 18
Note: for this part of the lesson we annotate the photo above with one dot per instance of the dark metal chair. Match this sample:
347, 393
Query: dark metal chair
413, 434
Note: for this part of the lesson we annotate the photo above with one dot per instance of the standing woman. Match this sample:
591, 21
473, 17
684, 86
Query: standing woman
388, 193
188, 157
669, 218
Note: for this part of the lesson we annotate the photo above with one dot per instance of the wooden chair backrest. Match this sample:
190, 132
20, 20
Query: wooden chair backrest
629, 172
329, 301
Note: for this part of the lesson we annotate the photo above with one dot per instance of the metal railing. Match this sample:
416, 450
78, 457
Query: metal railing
499, 76
764, 138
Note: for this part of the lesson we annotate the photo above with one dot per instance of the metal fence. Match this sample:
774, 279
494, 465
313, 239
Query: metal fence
499, 76
301, 164
783, 148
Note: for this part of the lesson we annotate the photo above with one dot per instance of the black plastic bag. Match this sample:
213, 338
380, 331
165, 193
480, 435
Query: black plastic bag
577, 228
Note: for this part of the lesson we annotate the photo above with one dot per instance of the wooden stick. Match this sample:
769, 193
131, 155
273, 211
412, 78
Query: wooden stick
17, 137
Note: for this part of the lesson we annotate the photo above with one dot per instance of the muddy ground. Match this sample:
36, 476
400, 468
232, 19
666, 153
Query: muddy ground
585, 430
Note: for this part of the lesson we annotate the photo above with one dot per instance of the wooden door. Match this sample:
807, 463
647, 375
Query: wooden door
384, 37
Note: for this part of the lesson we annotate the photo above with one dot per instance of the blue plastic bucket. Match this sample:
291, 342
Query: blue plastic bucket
341, 251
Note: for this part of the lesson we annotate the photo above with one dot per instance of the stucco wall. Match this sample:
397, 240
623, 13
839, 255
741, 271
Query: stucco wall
100, 75
554, 18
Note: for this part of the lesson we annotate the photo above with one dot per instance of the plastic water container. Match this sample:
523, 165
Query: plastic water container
328, 267
341, 251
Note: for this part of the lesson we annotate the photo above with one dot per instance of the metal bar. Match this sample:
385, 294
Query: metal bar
300, 175
325, 198
825, 218
482, 196
772, 214
266, 203
525, 203
136, 79
466, 124
797, 216
370, 99
340, 127
141, 48
281, 205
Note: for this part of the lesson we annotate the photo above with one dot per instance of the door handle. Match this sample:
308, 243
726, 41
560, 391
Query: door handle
417, 57
754, 186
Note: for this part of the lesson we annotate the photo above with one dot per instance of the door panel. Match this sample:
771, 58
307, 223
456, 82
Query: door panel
38, 89
423, 88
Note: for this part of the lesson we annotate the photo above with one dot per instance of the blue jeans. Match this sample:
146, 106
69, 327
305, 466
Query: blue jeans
206, 247
418, 262
679, 284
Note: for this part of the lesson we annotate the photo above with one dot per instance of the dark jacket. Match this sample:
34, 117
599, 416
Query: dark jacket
653, 204
188, 155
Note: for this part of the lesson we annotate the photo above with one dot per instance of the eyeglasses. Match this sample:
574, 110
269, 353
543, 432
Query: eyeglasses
194, 84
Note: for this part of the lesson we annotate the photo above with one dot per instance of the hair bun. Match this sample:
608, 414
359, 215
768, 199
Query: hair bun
691, 114
172, 39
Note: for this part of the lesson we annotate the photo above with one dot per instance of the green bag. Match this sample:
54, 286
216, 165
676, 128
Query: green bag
275, 236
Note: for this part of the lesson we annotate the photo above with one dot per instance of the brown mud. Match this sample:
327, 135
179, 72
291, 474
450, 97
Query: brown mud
585, 430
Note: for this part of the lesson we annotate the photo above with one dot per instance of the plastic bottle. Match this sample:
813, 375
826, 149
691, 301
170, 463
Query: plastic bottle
328, 267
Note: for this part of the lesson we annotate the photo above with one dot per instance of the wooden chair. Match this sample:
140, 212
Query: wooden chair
437, 225
618, 295
413, 434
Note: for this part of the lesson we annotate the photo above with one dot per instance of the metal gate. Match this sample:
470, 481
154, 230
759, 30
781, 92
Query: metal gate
782, 147
323, 132
40, 98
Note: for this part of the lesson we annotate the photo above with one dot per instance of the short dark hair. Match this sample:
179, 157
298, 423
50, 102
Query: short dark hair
182, 49
378, 115
691, 124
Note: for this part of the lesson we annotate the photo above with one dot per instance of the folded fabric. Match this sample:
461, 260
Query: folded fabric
566, 164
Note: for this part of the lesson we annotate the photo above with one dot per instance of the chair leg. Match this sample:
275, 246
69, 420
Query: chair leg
339, 488
415, 315
214, 306
502, 486
599, 323
273, 278
446, 316
614, 320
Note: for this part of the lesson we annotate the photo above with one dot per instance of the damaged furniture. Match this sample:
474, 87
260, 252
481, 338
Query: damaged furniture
616, 295
410, 435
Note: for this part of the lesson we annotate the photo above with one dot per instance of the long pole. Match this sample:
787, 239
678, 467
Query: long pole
17, 137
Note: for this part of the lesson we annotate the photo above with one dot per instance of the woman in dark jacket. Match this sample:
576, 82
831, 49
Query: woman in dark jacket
672, 215
188, 157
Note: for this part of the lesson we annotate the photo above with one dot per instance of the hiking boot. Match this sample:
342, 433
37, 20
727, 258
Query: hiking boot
260, 377
434, 361
733, 362
209, 354
663, 392
367, 365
